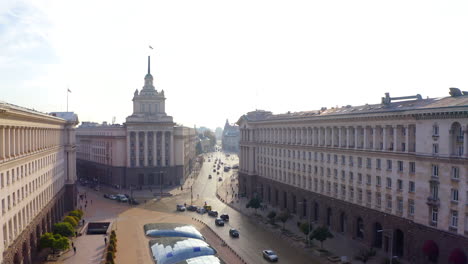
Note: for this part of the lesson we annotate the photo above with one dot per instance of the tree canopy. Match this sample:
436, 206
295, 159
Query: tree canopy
283, 217
254, 203
63, 228
321, 234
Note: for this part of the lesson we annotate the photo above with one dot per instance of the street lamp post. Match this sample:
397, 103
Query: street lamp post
391, 241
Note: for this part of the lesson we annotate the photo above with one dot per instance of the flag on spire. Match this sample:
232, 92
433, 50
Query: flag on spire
150, 47
68, 90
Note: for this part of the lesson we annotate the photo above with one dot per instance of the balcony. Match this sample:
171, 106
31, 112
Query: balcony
432, 201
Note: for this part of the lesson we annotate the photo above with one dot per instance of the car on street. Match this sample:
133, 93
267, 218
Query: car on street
112, 197
225, 217
213, 213
122, 199
180, 208
220, 179
106, 196
218, 172
214, 170
201, 210
192, 208
235, 167
209, 177
219, 222
270, 255
233, 232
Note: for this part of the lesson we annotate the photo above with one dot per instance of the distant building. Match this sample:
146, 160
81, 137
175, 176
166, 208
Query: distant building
219, 133
147, 150
231, 137
393, 175
37, 177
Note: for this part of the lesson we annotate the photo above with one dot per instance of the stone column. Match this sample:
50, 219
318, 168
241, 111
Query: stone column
137, 148
155, 146
171, 149
407, 133
374, 139
2, 142
129, 148
356, 133
465, 142
326, 136
395, 137
332, 134
384, 138
365, 141
13, 141
348, 138
340, 138
145, 149
163, 148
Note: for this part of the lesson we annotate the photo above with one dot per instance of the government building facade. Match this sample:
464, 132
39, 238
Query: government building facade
148, 150
392, 175
37, 177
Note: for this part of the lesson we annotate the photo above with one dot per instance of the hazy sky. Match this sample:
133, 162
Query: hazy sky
220, 59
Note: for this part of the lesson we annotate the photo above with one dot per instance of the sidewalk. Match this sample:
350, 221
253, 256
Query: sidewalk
339, 245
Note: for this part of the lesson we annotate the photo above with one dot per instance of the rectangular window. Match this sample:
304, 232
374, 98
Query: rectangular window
378, 181
411, 207
400, 185
455, 174
389, 202
379, 164
454, 219
351, 193
359, 195
343, 159
389, 165
454, 195
378, 199
434, 216
389, 182
351, 162
369, 163
369, 197
351, 176
400, 166
412, 167
359, 161
359, 178
435, 130
411, 187
369, 179
400, 204
435, 170
435, 148
335, 159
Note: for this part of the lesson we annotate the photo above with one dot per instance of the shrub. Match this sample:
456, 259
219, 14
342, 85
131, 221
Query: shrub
74, 217
110, 256
60, 243
111, 248
71, 220
113, 242
113, 234
46, 240
63, 228
77, 213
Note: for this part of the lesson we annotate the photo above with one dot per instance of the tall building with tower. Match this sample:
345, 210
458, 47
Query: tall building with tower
37, 177
148, 150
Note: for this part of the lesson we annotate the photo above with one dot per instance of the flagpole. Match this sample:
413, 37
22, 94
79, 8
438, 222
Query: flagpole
67, 99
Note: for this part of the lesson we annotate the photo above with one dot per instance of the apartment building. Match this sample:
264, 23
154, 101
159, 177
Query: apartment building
37, 177
393, 175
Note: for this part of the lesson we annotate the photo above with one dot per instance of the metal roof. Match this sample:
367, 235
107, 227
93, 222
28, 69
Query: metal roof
172, 250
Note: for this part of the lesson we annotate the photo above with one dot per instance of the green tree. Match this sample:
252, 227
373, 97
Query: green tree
46, 240
198, 148
63, 228
60, 243
321, 234
272, 215
71, 220
254, 203
283, 217
304, 227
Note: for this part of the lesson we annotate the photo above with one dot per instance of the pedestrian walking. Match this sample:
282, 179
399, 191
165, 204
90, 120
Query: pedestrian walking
76, 234
73, 245
74, 250
105, 240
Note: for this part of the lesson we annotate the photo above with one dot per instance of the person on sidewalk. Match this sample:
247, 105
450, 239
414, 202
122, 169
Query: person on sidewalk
105, 240
74, 250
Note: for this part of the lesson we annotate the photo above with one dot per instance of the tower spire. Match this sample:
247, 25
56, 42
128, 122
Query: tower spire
149, 64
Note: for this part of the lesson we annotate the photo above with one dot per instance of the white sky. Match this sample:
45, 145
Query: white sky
221, 59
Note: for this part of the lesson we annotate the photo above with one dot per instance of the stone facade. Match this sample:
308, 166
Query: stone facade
393, 175
37, 177
148, 150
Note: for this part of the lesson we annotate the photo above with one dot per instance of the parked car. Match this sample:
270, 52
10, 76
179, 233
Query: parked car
106, 196
180, 208
270, 255
201, 210
112, 197
220, 179
235, 167
214, 170
219, 222
213, 213
209, 176
122, 199
233, 232
192, 208
225, 217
